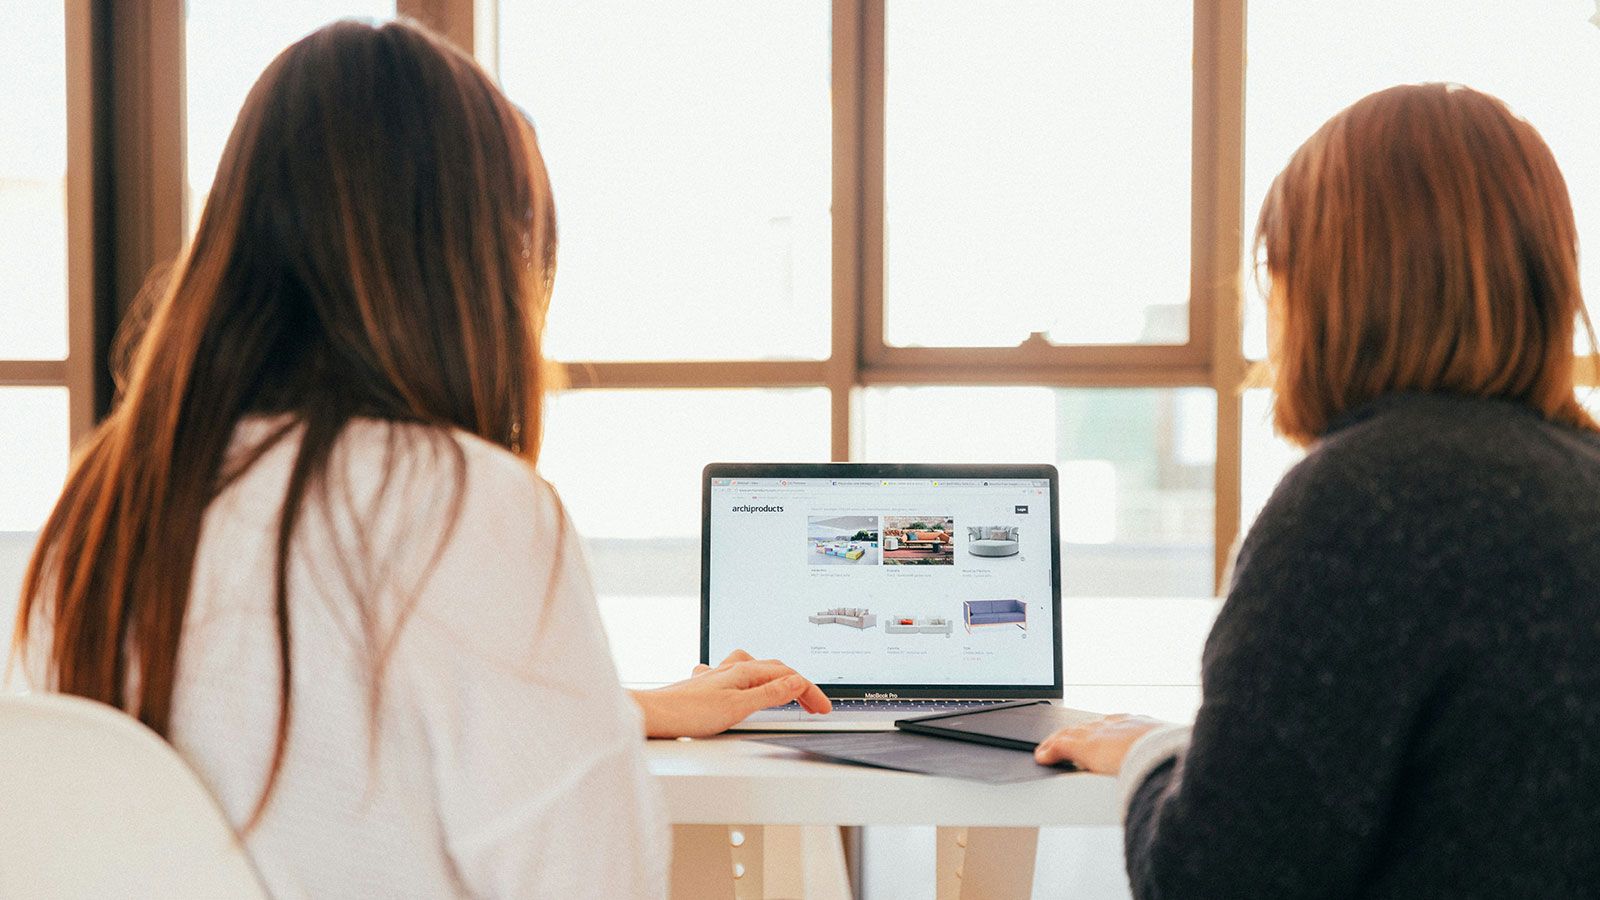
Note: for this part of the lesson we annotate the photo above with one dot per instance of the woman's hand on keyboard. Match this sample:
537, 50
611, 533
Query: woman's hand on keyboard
713, 699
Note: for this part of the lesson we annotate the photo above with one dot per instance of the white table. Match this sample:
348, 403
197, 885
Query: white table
728, 779
1137, 655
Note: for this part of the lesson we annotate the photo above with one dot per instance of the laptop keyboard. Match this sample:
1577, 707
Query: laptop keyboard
911, 706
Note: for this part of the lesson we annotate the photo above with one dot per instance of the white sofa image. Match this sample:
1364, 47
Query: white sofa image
855, 618
917, 625
993, 540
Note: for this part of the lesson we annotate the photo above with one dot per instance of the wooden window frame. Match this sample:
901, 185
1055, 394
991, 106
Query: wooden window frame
860, 357
126, 218
124, 192
126, 207
146, 157
77, 372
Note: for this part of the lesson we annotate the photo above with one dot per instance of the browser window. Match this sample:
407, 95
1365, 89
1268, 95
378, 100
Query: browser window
885, 581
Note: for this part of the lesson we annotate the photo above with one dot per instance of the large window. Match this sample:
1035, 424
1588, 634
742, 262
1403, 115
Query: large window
1040, 214
1309, 60
35, 371
226, 45
898, 231
33, 184
627, 463
858, 229
694, 173
1136, 469
1036, 172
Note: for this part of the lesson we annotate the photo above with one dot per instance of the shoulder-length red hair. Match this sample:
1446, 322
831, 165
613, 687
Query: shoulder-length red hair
1422, 239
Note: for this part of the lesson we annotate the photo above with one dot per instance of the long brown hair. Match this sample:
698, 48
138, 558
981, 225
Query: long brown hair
1422, 239
379, 243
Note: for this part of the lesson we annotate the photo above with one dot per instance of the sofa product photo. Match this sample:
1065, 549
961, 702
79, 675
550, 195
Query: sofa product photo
917, 625
996, 541
855, 618
977, 613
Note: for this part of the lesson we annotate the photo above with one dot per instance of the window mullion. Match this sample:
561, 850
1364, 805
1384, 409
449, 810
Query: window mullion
857, 79
1219, 149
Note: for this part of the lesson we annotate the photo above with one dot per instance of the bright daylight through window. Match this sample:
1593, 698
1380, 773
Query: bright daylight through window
1041, 172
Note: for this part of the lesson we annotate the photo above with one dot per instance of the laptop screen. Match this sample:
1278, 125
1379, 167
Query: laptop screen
925, 580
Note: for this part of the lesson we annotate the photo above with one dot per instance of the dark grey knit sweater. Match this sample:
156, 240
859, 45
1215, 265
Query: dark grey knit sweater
1402, 692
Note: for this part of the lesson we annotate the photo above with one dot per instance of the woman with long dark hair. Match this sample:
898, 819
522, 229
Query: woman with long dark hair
1402, 692
309, 547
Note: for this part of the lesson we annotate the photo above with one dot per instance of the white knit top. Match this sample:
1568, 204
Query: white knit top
504, 759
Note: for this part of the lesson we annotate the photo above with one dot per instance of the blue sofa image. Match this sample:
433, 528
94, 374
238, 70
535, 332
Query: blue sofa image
994, 612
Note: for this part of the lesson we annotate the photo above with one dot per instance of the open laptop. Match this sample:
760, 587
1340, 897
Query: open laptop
899, 589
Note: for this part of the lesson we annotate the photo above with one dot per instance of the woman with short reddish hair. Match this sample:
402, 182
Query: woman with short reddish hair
1402, 691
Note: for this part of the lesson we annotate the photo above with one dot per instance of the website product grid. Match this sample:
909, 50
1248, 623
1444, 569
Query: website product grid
886, 581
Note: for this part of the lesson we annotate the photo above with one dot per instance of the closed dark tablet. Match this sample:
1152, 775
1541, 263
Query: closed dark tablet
1019, 726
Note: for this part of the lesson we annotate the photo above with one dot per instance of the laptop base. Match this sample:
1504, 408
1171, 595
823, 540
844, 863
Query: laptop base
853, 715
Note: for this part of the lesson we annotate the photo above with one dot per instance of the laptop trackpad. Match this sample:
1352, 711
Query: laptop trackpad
777, 714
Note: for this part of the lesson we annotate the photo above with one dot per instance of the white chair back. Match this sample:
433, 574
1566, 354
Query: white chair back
93, 804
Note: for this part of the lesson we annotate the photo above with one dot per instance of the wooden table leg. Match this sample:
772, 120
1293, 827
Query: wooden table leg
949, 848
986, 863
754, 862
702, 863
783, 856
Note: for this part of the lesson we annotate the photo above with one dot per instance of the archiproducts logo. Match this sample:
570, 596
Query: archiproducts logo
756, 509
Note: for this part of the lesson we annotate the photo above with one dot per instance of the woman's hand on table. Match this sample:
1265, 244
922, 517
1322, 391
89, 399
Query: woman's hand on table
714, 699
1098, 745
